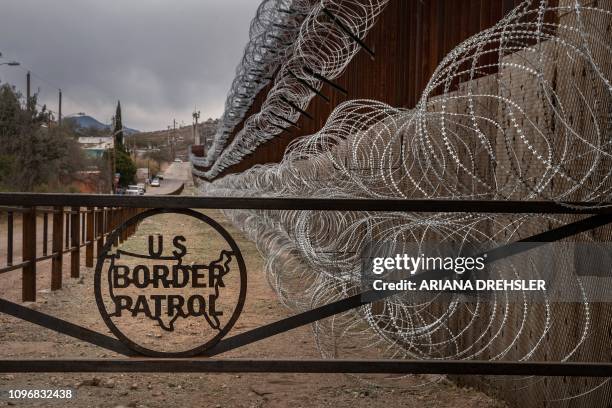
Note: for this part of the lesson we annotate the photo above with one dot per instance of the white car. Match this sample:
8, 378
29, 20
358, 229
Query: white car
178, 161
132, 191
155, 182
138, 188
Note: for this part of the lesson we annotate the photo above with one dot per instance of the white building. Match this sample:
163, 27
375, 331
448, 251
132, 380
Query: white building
95, 146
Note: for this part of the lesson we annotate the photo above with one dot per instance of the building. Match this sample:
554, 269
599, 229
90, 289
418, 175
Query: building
95, 147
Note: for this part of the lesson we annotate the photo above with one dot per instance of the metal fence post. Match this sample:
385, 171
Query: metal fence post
122, 218
75, 242
57, 248
45, 241
100, 229
82, 217
28, 238
109, 222
130, 229
116, 214
67, 234
132, 213
89, 236
9, 238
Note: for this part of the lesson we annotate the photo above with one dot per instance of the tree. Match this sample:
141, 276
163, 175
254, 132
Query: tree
124, 165
118, 128
32, 155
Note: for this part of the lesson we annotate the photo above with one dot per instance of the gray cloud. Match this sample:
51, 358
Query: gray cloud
159, 57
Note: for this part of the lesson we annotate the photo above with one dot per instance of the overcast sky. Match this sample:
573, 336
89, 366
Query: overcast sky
159, 57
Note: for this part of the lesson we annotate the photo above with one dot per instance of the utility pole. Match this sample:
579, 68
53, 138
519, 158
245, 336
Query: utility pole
28, 104
113, 160
196, 133
112, 166
59, 110
173, 138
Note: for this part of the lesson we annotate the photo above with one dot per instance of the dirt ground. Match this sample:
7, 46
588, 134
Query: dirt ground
76, 303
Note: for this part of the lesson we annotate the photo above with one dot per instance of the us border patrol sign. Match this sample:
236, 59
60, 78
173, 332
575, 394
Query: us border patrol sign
175, 287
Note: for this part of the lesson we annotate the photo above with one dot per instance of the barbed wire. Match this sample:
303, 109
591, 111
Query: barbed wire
321, 49
520, 111
272, 34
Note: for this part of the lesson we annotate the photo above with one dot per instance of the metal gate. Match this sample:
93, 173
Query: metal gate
207, 359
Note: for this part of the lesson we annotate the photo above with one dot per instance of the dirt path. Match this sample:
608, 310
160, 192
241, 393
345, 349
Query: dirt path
76, 303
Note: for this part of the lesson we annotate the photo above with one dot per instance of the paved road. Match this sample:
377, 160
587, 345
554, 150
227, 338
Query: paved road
175, 175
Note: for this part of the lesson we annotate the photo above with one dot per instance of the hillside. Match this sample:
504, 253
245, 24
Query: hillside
84, 121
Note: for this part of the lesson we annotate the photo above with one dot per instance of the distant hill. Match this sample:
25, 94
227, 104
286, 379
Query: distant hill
83, 121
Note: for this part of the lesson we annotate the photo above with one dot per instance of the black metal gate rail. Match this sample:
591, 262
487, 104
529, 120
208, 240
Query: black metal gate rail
298, 203
603, 216
237, 365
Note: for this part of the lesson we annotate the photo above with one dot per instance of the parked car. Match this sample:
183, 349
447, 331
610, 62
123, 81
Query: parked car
132, 191
142, 187
177, 160
155, 182
137, 188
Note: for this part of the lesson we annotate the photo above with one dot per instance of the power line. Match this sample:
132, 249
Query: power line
60, 89
35, 75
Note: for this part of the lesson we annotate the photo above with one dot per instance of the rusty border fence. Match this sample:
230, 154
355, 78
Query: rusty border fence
104, 213
49, 233
62, 229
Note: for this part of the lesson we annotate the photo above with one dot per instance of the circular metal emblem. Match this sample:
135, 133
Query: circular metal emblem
174, 286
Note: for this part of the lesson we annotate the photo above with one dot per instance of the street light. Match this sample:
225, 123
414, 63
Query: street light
10, 63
